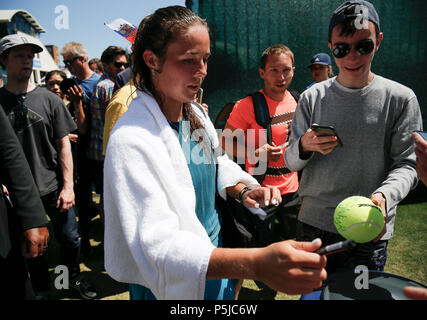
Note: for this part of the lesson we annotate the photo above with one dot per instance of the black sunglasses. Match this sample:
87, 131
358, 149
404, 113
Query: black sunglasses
70, 62
365, 46
118, 64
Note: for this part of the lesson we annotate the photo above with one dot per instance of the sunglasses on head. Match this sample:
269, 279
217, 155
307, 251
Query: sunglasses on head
70, 62
340, 50
118, 64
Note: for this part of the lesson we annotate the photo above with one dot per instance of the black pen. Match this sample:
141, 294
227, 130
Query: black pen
336, 247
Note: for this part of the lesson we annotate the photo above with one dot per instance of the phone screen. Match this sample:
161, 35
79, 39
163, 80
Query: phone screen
423, 134
324, 132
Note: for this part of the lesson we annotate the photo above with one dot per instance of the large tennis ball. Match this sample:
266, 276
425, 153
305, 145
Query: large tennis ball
359, 219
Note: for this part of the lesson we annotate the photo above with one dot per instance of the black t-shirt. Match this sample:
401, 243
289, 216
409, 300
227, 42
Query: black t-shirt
39, 119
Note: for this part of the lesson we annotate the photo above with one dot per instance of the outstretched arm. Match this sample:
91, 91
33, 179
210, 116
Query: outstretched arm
286, 266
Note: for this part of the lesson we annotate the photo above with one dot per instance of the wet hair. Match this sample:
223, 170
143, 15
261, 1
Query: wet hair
275, 49
156, 33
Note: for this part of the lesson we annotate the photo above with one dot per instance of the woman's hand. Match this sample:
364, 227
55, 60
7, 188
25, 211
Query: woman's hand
287, 266
291, 267
261, 197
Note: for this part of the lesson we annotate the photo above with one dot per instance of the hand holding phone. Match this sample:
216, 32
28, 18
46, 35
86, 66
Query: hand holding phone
66, 84
423, 134
323, 131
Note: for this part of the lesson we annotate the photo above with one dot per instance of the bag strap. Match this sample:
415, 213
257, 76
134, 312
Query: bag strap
262, 115
295, 94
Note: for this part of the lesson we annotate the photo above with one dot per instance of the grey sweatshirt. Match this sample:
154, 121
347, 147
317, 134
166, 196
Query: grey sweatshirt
375, 125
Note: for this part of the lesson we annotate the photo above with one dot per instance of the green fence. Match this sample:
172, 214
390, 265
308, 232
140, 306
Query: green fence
242, 29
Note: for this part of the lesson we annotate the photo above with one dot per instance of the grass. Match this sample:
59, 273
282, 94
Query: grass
407, 257
407, 254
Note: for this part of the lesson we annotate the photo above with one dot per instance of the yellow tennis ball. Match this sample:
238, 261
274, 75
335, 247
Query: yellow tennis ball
359, 219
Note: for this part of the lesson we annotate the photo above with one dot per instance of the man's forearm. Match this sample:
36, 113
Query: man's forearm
66, 162
80, 116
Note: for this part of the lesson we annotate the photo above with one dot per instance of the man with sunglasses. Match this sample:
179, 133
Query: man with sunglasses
114, 60
374, 118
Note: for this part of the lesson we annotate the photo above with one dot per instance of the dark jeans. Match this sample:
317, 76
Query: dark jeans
90, 172
373, 255
65, 231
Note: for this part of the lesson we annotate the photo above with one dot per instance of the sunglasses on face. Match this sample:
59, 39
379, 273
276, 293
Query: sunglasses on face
340, 50
70, 62
120, 64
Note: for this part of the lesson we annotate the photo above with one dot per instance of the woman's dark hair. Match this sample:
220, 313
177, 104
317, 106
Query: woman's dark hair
156, 32
111, 52
51, 73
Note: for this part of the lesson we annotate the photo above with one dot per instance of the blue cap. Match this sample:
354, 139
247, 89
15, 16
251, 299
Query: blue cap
350, 10
321, 58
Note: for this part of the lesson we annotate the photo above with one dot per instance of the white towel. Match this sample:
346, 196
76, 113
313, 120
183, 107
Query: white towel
152, 234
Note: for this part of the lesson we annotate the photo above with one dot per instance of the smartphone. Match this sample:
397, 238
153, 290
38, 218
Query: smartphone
67, 84
199, 97
423, 134
326, 131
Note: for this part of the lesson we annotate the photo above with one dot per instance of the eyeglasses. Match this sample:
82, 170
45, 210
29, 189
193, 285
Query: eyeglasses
364, 46
70, 62
118, 64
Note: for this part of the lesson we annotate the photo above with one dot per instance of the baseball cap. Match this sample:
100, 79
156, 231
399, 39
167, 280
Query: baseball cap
350, 10
14, 40
321, 58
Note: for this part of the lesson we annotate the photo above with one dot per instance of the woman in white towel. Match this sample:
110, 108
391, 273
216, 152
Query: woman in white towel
162, 230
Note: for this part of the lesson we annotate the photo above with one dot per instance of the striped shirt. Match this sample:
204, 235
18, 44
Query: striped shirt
243, 117
100, 98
